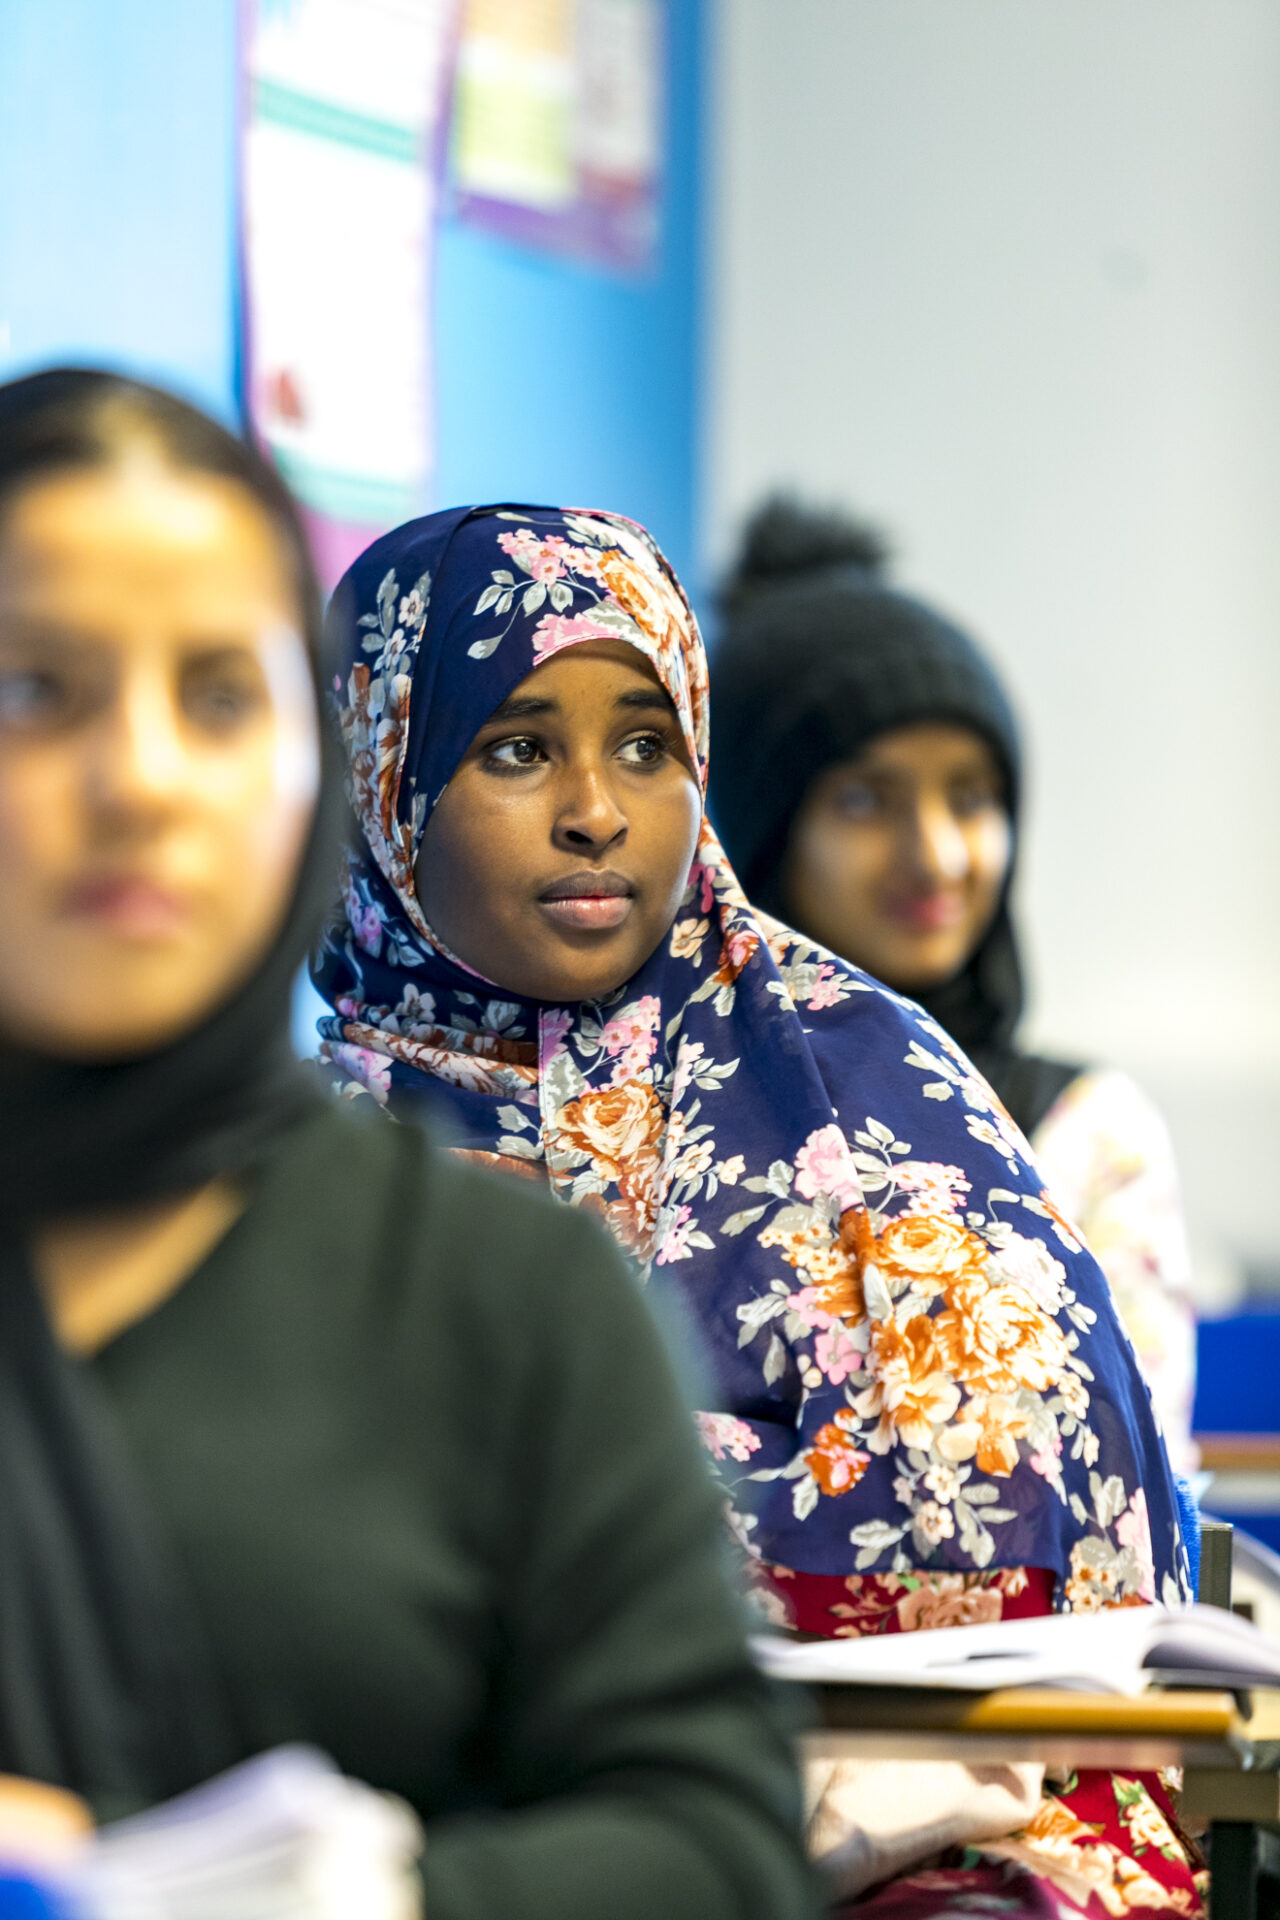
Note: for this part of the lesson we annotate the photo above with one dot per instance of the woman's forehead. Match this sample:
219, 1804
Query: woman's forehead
928, 746
141, 539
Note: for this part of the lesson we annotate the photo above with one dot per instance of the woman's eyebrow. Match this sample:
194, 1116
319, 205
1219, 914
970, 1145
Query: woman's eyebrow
34, 630
647, 697
521, 708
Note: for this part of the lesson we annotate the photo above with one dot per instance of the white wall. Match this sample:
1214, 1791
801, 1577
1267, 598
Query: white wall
1006, 274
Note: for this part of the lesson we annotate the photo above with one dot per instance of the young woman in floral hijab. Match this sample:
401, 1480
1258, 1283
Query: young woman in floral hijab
924, 1409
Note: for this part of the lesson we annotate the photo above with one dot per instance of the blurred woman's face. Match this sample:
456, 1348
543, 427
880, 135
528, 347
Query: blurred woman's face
556, 857
898, 857
159, 753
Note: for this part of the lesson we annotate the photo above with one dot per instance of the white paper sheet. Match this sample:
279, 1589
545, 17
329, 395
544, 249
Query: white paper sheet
343, 124
284, 1837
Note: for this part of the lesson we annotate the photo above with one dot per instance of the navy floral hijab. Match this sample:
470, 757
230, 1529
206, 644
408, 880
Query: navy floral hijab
916, 1363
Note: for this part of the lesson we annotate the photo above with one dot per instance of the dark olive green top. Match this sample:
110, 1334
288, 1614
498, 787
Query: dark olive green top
418, 1451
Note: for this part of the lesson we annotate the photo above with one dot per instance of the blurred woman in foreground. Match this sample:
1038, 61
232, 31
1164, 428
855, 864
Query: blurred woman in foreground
306, 1433
867, 788
924, 1410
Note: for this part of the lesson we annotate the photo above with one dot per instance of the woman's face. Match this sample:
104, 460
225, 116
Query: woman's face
898, 857
556, 858
159, 753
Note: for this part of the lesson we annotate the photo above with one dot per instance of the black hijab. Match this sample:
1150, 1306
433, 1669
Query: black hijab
816, 658
105, 1684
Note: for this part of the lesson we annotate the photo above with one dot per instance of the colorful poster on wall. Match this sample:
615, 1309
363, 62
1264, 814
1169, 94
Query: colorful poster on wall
557, 129
341, 165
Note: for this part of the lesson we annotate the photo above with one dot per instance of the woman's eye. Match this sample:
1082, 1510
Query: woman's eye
645, 750
221, 691
856, 801
968, 801
31, 698
219, 705
515, 753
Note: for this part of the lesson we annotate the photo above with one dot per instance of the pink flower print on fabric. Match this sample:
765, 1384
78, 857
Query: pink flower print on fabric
549, 559
675, 1244
556, 631
552, 1028
1133, 1530
824, 1166
367, 1069
934, 1188
1045, 1462
700, 877
826, 989
366, 924
726, 1437
535, 557
585, 561
807, 1305
836, 1352
633, 1035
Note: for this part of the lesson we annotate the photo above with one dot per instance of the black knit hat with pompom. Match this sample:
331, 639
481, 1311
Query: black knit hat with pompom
818, 655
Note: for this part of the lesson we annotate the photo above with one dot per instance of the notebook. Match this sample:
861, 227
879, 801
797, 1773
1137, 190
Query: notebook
1120, 1650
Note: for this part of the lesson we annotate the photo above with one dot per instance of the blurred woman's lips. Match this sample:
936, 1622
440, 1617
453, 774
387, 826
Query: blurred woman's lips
926, 912
128, 905
589, 902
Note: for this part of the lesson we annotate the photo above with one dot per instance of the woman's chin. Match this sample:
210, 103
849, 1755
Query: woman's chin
919, 970
582, 966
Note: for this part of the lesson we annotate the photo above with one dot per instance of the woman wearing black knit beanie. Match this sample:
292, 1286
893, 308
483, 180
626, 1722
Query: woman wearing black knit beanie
866, 785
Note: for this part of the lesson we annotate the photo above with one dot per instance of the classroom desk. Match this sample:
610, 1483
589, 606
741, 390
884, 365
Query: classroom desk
1231, 1782
1239, 1452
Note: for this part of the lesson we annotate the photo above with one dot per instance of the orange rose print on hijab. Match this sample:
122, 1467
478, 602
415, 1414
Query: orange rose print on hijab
620, 1128
643, 596
929, 1251
911, 1393
987, 1431
996, 1339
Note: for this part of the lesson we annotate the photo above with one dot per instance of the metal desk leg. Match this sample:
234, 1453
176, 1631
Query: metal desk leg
1233, 1870
1244, 1871
1215, 1562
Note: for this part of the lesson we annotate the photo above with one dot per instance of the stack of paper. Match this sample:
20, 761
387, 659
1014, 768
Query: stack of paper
284, 1837
1117, 1651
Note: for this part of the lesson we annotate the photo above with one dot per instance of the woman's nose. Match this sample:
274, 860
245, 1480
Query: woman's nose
590, 818
141, 761
939, 850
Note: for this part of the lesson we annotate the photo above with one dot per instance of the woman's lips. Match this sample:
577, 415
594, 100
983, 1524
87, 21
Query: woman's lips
926, 912
589, 902
128, 905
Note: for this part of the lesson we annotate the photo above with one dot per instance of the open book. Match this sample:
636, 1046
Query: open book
1117, 1651
284, 1837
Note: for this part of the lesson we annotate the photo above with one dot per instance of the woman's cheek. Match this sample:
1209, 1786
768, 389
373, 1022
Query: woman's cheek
992, 851
857, 862
265, 789
42, 823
